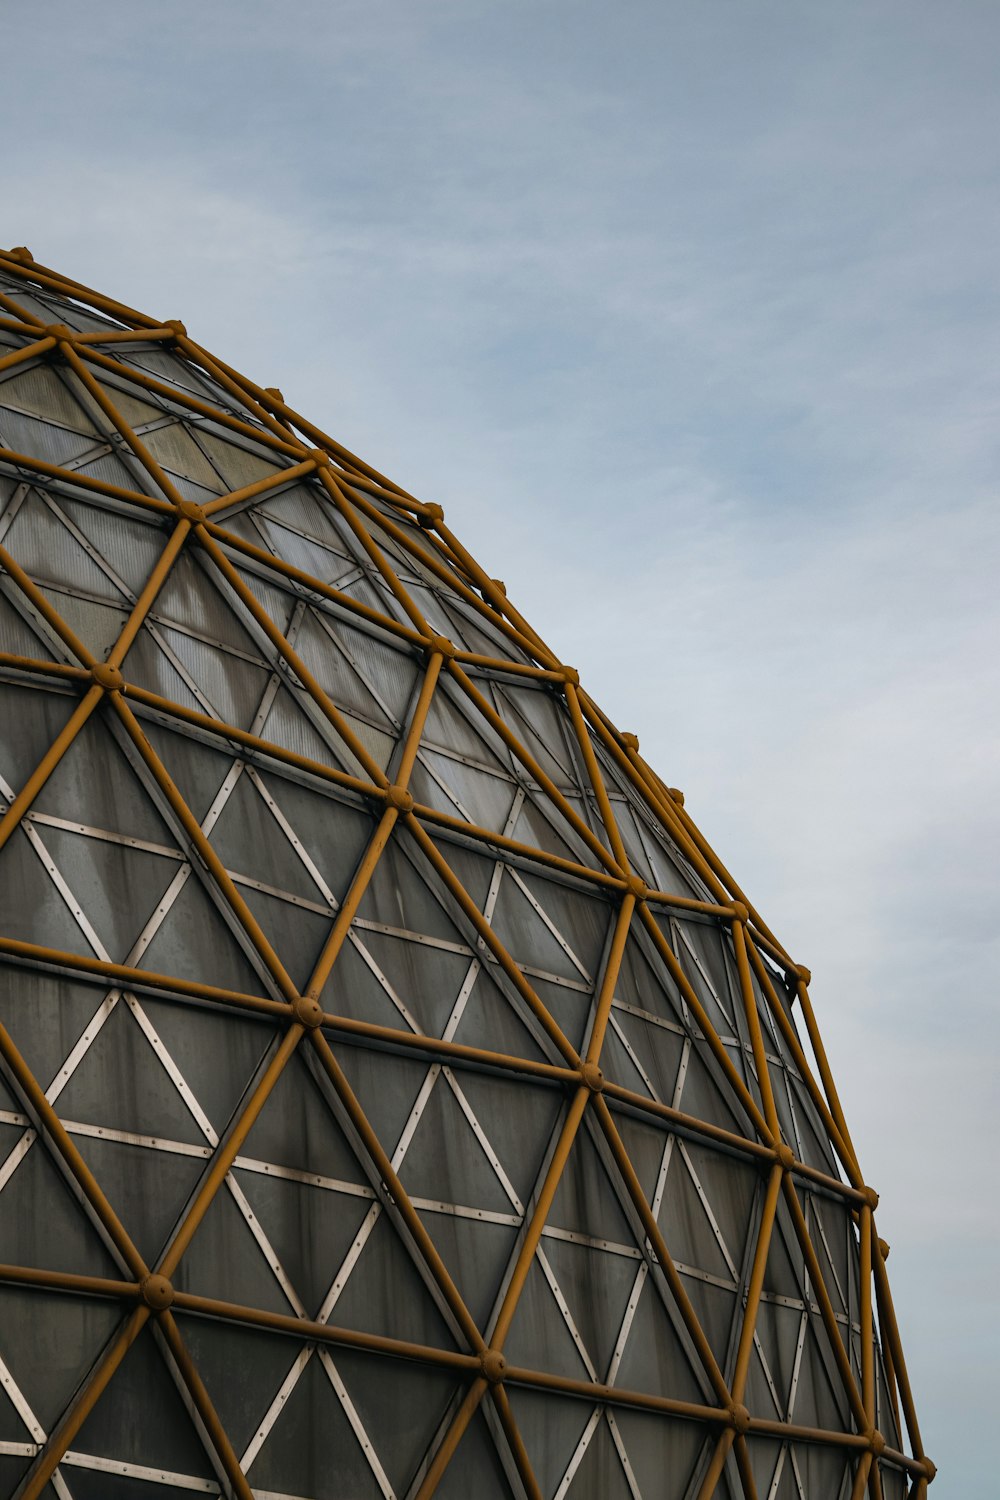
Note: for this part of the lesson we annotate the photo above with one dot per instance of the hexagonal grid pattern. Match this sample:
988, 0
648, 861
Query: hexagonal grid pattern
398, 1096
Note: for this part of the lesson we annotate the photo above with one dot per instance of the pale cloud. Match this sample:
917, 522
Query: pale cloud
688, 316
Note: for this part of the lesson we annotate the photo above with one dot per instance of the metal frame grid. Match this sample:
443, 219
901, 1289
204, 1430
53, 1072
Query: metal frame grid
379, 669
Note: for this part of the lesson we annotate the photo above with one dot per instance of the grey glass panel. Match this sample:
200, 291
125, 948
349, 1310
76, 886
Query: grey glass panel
42, 1224
476, 1458
494, 1021
824, 1471
426, 979
216, 1051
600, 1475
49, 1341
309, 1228
385, 1293
585, 1201
445, 1161
226, 1261
17, 637
45, 1014
147, 1189
31, 908
476, 1255
518, 1119
654, 1358
539, 1338
194, 942
597, 1286
47, 549
332, 1463
401, 1406
550, 1428
90, 1484
296, 935
120, 1083
663, 1454
94, 784
296, 1128
242, 1369
118, 887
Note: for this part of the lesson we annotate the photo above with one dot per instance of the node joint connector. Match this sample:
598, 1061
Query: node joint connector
592, 1076
157, 1292
630, 741
784, 1155
176, 327
108, 678
399, 798
430, 516
740, 912
319, 458
571, 676
636, 886
191, 511
739, 1419
439, 645
307, 1011
493, 1365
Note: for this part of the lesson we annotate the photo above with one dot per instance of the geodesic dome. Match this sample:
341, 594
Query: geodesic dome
397, 1095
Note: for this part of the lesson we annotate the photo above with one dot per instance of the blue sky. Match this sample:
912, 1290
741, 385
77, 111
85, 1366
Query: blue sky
688, 314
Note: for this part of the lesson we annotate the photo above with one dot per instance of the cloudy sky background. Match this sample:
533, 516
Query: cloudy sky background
688, 314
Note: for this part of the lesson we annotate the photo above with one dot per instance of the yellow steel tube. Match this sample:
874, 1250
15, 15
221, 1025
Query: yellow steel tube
400, 1197
707, 1029
489, 937
227, 1152
756, 1285
350, 904
533, 1229
196, 834
452, 1438
528, 761
53, 755
51, 1455
203, 1405
823, 1298
516, 1443
612, 968
667, 1267
51, 617
299, 667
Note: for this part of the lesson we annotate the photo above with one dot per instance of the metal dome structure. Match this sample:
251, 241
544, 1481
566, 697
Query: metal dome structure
397, 1095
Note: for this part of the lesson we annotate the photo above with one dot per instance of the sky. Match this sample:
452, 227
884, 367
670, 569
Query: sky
687, 313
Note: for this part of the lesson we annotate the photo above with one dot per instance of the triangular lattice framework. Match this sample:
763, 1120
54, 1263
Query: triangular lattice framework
398, 1095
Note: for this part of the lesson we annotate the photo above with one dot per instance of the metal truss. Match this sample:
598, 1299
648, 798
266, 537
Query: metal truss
564, 883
